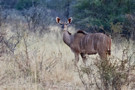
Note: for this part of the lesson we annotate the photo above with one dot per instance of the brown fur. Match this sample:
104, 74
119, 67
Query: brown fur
91, 44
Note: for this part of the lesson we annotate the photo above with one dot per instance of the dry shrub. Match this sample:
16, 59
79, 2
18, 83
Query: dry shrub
111, 74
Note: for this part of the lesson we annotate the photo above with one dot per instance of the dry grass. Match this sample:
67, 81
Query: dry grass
45, 63
48, 65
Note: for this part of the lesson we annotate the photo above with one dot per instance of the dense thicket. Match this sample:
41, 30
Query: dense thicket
102, 12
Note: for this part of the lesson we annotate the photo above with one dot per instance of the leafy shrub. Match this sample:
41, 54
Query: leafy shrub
25, 4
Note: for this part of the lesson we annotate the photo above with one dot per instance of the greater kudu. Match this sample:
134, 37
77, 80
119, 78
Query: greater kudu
82, 43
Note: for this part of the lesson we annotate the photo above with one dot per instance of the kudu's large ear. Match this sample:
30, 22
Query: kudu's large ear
70, 20
57, 19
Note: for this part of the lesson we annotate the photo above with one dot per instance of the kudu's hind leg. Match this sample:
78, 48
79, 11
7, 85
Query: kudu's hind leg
103, 55
83, 58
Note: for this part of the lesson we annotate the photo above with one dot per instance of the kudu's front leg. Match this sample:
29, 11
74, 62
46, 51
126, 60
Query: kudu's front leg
76, 59
83, 58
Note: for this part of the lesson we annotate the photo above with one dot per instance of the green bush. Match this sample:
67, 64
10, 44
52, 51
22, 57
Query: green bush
25, 4
101, 12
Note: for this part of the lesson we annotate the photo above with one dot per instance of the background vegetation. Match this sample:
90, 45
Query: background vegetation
90, 15
33, 55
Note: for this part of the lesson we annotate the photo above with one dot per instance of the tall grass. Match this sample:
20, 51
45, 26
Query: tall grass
39, 63
46, 63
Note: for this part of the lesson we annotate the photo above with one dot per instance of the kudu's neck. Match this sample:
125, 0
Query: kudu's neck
67, 37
